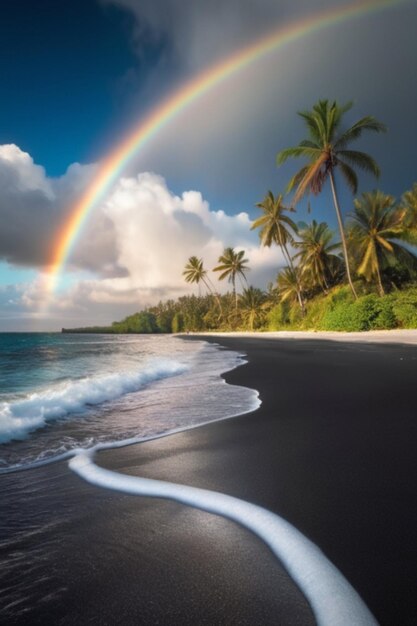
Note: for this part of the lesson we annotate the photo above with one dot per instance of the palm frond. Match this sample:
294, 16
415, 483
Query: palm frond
354, 132
312, 180
309, 144
366, 268
297, 178
298, 151
311, 122
360, 159
407, 258
349, 175
384, 244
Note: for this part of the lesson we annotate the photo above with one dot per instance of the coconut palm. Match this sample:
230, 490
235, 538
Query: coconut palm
275, 228
409, 206
251, 303
289, 281
194, 272
376, 226
274, 225
316, 256
325, 149
232, 264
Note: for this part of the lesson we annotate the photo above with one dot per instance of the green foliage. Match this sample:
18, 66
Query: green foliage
369, 312
178, 323
336, 311
316, 256
326, 146
316, 309
376, 227
274, 226
279, 316
404, 306
251, 307
143, 322
325, 150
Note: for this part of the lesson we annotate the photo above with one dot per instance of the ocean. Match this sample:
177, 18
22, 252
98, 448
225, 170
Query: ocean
85, 551
63, 395
60, 392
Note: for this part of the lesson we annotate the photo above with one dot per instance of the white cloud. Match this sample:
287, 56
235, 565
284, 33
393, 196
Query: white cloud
33, 208
135, 244
20, 174
155, 232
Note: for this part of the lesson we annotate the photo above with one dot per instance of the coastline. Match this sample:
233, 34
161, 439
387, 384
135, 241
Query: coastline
396, 336
331, 450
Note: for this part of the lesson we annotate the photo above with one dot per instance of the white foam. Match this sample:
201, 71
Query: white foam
53, 456
333, 600
20, 417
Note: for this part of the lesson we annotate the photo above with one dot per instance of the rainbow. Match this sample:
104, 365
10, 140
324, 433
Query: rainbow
112, 166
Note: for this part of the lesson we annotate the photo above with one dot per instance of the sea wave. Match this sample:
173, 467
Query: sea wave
21, 416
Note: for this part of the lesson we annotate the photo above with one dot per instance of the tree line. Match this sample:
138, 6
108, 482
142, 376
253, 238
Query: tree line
370, 261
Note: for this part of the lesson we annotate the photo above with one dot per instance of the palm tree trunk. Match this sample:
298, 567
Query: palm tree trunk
342, 233
285, 253
380, 285
210, 287
235, 292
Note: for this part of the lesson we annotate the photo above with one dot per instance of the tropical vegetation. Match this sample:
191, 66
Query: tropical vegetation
362, 279
325, 149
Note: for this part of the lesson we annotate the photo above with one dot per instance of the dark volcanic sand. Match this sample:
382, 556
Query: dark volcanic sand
332, 450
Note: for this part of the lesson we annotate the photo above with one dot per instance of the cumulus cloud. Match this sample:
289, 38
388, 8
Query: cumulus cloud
33, 208
156, 231
152, 233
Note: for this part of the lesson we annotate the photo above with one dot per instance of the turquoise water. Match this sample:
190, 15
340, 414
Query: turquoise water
60, 391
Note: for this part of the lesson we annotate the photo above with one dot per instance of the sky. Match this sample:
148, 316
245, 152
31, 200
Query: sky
77, 76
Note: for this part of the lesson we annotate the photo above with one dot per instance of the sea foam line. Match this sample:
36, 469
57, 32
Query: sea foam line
124, 443
333, 600
20, 417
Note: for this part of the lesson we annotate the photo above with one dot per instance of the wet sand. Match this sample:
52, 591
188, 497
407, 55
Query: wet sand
332, 450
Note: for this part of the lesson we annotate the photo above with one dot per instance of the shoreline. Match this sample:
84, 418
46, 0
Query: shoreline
330, 449
347, 486
396, 336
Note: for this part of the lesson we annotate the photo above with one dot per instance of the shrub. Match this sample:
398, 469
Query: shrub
370, 312
278, 316
315, 310
404, 306
385, 317
178, 323
342, 317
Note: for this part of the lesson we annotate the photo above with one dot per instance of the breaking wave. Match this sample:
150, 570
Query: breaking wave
21, 416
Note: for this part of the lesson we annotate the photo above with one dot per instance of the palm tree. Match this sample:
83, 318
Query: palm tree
274, 228
316, 253
409, 206
194, 272
289, 281
325, 150
274, 225
251, 303
376, 227
232, 264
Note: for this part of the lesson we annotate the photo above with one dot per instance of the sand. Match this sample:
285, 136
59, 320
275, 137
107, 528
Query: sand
332, 450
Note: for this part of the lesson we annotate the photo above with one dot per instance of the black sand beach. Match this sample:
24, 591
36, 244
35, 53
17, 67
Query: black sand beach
332, 450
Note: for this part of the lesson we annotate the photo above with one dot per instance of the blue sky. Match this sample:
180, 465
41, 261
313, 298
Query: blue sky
76, 75
62, 77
